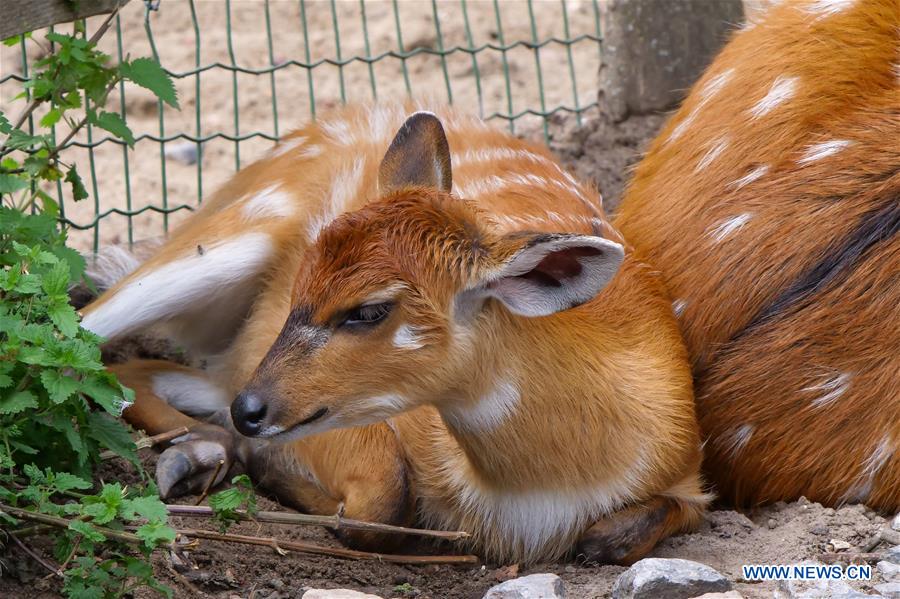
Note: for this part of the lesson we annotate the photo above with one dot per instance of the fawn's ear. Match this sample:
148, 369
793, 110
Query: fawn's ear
419, 155
547, 273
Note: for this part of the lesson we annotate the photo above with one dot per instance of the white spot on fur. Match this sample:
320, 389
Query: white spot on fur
193, 279
738, 439
871, 467
686, 122
269, 203
195, 395
287, 145
712, 154
387, 294
343, 191
827, 8
408, 337
339, 131
833, 388
678, 306
384, 120
725, 228
750, 177
782, 90
823, 150
488, 412
310, 151
715, 85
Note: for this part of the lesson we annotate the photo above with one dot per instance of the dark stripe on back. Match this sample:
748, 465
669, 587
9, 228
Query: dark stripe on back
875, 227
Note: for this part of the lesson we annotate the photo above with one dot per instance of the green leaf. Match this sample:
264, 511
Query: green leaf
104, 389
113, 435
148, 507
155, 534
58, 386
56, 280
64, 481
18, 402
87, 530
51, 118
114, 123
79, 192
12, 183
64, 317
147, 73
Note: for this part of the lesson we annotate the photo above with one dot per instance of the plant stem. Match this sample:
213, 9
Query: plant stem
280, 546
334, 522
145, 442
35, 556
125, 537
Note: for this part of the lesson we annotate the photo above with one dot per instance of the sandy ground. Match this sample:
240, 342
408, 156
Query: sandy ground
287, 91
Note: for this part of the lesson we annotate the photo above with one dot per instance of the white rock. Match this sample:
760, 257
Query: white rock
890, 590
184, 152
535, 586
336, 594
839, 545
893, 555
889, 571
895, 523
823, 589
657, 578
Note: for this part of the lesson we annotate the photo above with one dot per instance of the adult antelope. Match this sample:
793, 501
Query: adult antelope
770, 202
478, 349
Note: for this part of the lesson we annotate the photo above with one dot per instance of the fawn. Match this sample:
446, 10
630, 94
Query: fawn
770, 202
409, 331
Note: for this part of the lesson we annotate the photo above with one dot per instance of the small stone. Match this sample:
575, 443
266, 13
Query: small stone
535, 586
276, 583
184, 152
805, 589
895, 523
891, 590
506, 573
771, 523
893, 555
819, 530
336, 594
657, 578
570, 569
889, 571
838, 545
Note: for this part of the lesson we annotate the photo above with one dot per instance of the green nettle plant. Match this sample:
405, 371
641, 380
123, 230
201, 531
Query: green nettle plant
59, 407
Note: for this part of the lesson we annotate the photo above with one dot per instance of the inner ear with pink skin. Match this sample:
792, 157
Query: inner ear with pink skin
552, 273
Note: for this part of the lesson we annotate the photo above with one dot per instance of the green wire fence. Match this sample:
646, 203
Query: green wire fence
247, 72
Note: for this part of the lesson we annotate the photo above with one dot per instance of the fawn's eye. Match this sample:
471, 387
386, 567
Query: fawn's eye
371, 314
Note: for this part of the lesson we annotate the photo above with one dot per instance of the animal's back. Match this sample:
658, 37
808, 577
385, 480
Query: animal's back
771, 204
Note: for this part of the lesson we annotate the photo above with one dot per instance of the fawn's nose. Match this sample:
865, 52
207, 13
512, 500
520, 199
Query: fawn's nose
248, 411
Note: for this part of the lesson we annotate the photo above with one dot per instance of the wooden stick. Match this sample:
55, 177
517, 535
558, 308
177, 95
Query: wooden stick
145, 442
280, 546
869, 558
16, 512
36, 557
209, 483
334, 522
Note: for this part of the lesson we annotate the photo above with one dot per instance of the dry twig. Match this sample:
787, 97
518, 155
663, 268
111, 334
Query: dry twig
210, 482
145, 442
280, 546
334, 522
36, 557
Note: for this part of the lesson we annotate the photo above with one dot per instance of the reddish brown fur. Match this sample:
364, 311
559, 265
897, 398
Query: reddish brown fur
767, 376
